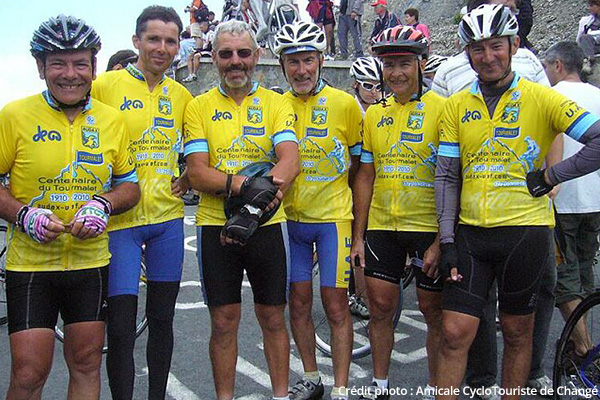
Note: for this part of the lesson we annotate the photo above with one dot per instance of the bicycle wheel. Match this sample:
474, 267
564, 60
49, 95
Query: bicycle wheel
360, 326
3, 314
574, 375
142, 321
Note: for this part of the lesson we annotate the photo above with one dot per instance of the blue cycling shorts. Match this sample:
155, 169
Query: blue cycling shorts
163, 255
332, 241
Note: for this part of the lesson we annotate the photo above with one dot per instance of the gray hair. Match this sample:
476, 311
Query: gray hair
236, 28
569, 53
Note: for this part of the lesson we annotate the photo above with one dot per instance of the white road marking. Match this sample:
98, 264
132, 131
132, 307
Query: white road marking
251, 371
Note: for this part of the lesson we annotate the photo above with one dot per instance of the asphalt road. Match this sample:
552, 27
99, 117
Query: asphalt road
191, 377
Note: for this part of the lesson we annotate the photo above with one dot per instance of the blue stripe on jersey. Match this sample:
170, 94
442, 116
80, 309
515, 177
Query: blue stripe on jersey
580, 125
284, 136
195, 146
366, 157
449, 150
130, 176
356, 150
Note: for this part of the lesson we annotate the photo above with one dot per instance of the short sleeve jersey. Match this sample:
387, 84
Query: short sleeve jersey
328, 127
235, 136
401, 141
155, 122
496, 152
59, 166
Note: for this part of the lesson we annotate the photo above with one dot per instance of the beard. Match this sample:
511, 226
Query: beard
238, 82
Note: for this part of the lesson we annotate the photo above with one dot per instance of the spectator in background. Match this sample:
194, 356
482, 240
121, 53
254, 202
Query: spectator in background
411, 18
186, 47
202, 48
588, 34
385, 19
349, 21
578, 201
525, 20
212, 22
198, 12
321, 12
120, 59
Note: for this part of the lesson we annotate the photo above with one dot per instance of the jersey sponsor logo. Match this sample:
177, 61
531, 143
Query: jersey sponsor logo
129, 104
90, 137
319, 115
256, 101
470, 115
41, 135
219, 114
90, 120
415, 120
164, 105
507, 133
322, 101
420, 106
385, 121
252, 131
165, 90
516, 95
83, 157
163, 122
510, 114
411, 137
255, 115
314, 132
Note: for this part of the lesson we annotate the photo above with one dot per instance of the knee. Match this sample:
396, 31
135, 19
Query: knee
86, 360
457, 336
517, 334
29, 376
381, 308
271, 319
300, 307
224, 325
338, 313
431, 310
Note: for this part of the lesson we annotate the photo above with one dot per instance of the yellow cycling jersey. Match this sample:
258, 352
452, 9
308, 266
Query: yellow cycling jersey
497, 152
235, 136
59, 166
401, 142
328, 126
155, 122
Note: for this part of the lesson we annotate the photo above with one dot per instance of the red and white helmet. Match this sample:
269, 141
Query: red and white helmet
400, 40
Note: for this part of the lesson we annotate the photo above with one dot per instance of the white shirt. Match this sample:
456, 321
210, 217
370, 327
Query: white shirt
581, 195
456, 73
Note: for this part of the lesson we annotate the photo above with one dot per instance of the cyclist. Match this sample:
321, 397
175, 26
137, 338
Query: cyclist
434, 62
398, 203
503, 233
153, 105
366, 72
328, 129
227, 128
70, 170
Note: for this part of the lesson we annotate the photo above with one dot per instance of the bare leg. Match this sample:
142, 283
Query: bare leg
223, 347
518, 340
581, 336
430, 304
335, 302
277, 345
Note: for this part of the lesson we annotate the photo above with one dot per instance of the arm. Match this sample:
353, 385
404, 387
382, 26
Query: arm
288, 166
362, 192
553, 157
354, 166
447, 196
210, 180
123, 197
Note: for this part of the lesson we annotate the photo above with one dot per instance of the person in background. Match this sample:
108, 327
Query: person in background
525, 20
588, 33
121, 59
321, 12
350, 22
411, 18
385, 18
434, 62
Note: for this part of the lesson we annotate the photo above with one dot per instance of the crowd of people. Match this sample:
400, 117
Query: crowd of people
458, 163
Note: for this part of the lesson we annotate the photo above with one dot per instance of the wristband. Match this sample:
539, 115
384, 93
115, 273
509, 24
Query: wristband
21, 217
108, 208
228, 185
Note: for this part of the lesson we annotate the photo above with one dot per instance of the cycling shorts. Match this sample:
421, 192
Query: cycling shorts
332, 240
265, 258
35, 299
163, 255
516, 256
386, 253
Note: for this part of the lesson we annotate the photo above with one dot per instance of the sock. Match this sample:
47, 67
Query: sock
281, 398
339, 393
382, 383
312, 376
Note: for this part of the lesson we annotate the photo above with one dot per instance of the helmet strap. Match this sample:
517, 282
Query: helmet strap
63, 106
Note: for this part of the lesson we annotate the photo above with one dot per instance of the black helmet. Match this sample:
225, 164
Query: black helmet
234, 203
64, 33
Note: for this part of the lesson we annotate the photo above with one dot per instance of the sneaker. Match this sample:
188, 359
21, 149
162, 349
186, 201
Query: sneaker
543, 385
358, 307
487, 393
372, 393
329, 57
428, 393
306, 390
189, 78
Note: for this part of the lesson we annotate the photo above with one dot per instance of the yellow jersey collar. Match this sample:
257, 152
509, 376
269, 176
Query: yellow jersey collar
475, 86
252, 91
137, 74
46, 95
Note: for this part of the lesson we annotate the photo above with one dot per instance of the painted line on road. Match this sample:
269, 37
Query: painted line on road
251, 371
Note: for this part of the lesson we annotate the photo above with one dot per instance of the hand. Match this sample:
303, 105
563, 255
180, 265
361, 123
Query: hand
554, 192
357, 251
239, 228
41, 225
537, 184
431, 260
259, 192
449, 263
179, 186
90, 220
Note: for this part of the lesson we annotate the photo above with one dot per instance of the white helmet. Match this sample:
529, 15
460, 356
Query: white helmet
366, 69
433, 63
485, 22
299, 36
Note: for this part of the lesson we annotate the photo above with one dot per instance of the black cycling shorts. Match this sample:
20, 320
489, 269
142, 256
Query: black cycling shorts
35, 299
265, 258
386, 252
516, 256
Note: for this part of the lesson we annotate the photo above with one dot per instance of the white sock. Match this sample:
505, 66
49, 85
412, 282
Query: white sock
281, 398
339, 392
382, 383
312, 376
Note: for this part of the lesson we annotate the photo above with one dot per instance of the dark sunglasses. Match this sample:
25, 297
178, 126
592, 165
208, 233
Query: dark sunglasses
242, 53
368, 86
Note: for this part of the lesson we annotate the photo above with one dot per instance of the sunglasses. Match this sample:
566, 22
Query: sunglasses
242, 53
369, 87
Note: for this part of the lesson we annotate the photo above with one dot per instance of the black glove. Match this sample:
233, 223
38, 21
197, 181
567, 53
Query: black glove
449, 259
243, 224
258, 191
536, 184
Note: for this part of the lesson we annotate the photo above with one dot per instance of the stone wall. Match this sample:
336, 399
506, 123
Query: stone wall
268, 73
